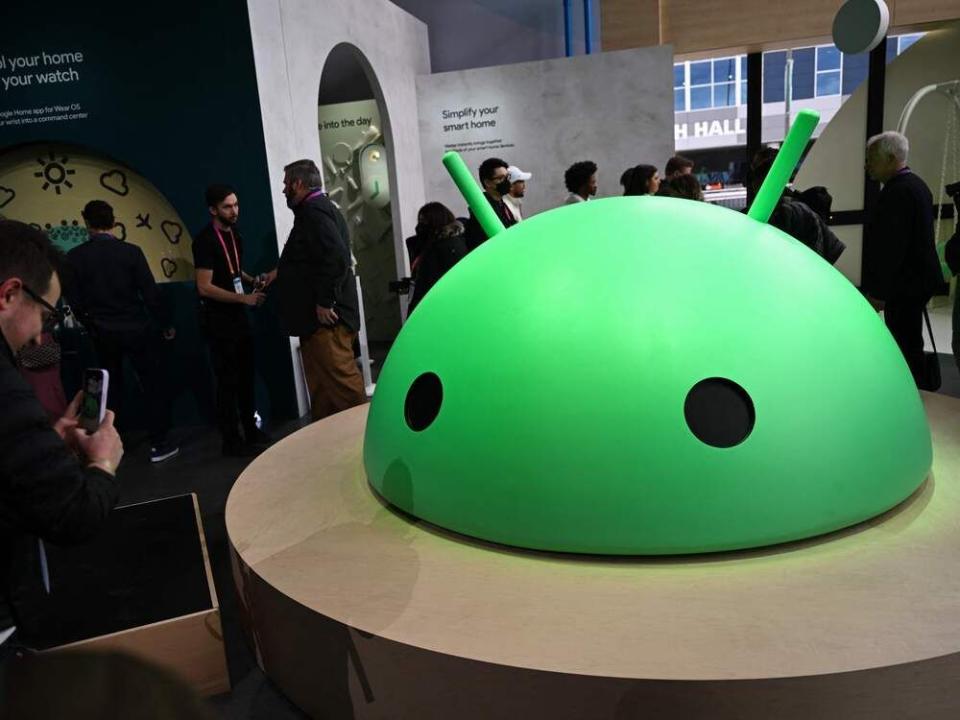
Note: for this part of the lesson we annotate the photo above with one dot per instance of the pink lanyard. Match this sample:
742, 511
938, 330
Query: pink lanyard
311, 196
233, 240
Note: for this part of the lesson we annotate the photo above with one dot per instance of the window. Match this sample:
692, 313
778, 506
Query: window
700, 73
900, 43
679, 89
724, 70
679, 75
828, 58
855, 69
892, 49
829, 61
700, 98
718, 85
906, 41
774, 76
817, 72
828, 84
724, 95
711, 83
804, 71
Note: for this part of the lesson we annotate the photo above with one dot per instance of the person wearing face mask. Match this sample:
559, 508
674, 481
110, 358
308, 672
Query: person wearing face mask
495, 181
518, 188
56, 482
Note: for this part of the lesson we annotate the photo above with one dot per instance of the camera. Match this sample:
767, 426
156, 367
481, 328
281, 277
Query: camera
953, 190
401, 286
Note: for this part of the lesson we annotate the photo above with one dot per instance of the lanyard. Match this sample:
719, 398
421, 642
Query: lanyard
233, 240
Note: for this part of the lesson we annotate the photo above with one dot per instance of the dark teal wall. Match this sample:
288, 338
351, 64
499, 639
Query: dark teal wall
170, 89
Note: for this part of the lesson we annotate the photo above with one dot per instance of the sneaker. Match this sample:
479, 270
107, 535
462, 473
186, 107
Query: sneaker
163, 451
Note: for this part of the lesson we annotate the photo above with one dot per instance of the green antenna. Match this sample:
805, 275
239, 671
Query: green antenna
472, 194
786, 160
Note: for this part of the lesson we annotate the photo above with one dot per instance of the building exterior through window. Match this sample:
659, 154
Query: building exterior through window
710, 100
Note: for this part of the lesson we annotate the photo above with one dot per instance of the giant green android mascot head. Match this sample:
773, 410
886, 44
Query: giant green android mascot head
645, 376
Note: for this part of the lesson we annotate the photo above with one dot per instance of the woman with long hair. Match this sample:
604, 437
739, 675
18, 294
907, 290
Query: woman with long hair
640, 180
440, 246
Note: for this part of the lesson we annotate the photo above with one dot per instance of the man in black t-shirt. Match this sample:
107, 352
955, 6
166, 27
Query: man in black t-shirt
218, 259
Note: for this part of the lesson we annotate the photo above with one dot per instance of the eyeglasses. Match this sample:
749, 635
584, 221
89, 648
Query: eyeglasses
51, 316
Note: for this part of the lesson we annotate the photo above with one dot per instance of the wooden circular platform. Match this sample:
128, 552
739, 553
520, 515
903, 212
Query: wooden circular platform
358, 611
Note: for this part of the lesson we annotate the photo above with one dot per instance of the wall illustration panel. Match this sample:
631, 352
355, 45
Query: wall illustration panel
47, 185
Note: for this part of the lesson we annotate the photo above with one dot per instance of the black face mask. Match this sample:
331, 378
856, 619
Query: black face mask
503, 187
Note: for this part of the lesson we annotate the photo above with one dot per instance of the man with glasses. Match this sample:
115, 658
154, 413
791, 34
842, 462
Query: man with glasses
51, 316
56, 483
495, 180
113, 293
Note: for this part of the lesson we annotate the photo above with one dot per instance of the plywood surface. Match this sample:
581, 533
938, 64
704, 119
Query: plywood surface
191, 646
303, 518
700, 26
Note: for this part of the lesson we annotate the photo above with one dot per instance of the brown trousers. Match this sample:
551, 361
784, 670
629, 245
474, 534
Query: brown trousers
333, 380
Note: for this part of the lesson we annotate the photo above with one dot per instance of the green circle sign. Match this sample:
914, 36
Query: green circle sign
549, 380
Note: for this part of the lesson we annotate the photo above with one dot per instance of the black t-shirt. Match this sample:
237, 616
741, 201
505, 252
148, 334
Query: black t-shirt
208, 254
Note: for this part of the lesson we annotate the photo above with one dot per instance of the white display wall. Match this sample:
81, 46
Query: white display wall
615, 109
292, 40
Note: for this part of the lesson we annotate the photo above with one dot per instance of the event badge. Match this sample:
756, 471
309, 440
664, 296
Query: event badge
238, 285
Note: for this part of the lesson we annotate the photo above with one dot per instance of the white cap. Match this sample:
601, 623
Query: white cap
515, 174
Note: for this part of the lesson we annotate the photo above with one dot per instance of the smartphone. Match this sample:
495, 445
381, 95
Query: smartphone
93, 404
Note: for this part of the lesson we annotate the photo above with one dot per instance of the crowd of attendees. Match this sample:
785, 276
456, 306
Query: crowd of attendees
441, 239
58, 481
902, 273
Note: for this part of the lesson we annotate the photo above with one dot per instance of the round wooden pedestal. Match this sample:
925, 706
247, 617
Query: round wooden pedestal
356, 610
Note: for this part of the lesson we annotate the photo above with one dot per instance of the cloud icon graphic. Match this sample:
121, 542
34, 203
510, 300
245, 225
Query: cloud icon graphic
6, 196
169, 267
172, 230
115, 181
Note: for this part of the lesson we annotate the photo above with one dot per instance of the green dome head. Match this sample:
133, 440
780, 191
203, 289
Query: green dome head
645, 375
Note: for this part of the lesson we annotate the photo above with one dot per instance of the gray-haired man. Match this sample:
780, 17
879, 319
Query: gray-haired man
901, 269
317, 292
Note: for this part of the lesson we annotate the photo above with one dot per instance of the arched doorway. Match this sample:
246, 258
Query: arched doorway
358, 169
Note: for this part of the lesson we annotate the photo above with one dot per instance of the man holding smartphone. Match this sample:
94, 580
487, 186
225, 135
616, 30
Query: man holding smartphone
218, 259
56, 483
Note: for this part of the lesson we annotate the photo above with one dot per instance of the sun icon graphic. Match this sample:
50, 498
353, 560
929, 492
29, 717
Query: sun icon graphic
54, 172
